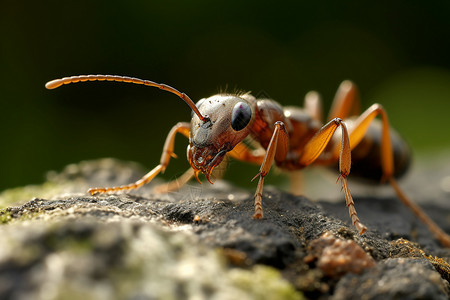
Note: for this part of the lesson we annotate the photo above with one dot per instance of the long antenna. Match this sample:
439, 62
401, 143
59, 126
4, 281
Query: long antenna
82, 78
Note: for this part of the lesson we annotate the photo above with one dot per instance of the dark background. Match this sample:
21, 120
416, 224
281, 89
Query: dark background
397, 52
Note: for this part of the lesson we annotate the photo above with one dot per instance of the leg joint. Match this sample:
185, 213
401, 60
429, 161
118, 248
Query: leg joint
377, 107
279, 124
337, 121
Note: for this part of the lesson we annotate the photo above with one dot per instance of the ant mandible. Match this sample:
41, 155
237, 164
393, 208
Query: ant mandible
292, 137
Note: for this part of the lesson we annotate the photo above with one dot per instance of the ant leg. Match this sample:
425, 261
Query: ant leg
316, 146
179, 182
313, 106
387, 164
277, 149
346, 102
243, 153
175, 184
358, 131
442, 237
182, 128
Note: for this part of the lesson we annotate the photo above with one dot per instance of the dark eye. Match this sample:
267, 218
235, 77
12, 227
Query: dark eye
240, 116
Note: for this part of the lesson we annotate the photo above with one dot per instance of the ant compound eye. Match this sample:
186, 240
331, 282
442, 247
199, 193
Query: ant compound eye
240, 116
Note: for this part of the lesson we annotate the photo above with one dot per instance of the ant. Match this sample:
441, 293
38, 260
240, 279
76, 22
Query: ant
292, 137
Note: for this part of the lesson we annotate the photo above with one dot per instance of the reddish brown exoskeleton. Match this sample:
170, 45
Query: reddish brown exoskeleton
292, 137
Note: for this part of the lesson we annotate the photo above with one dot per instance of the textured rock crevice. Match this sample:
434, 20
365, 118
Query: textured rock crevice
202, 242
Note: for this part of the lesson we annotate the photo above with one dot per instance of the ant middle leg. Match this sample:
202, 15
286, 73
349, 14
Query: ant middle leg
316, 146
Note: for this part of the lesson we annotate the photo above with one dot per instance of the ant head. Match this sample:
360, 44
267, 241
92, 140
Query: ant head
229, 121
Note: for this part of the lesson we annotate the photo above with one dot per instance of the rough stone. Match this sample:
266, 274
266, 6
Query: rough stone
336, 256
394, 278
199, 243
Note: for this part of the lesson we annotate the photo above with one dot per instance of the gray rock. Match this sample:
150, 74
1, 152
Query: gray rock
394, 278
122, 259
198, 243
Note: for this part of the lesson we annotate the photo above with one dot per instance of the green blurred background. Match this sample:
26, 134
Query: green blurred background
397, 52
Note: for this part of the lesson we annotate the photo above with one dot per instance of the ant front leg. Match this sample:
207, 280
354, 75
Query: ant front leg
182, 128
277, 149
175, 184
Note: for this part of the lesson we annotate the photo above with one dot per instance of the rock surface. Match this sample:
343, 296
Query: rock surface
201, 243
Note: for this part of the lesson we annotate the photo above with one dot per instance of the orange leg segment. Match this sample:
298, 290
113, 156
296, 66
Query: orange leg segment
176, 184
387, 164
182, 128
346, 102
317, 145
277, 149
244, 153
313, 106
442, 237
360, 129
